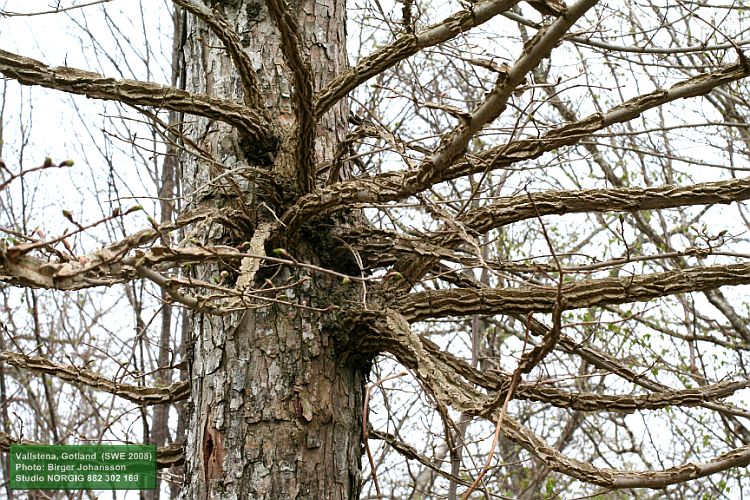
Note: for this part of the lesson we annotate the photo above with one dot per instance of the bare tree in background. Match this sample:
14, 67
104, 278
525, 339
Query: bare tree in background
494, 254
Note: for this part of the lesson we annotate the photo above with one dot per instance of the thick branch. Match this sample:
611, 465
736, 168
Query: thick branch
615, 479
529, 149
517, 208
422, 355
170, 456
662, 396
109, 265
392, 330
384, 248
233, 44
454, 144
395, 186
406, 46
140, 395
577, 294
608, 363
75, 81
302, 97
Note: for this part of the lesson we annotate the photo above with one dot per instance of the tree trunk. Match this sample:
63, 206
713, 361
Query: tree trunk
275, 410
275, 413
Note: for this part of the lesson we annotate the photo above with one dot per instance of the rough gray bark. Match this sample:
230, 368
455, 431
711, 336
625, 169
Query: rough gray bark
275, 412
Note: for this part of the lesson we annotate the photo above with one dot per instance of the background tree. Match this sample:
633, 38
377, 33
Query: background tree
502, 248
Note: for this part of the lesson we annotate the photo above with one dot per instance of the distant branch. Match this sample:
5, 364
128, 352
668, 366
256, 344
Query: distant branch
633, 49
7, 13
410, 453
14, 176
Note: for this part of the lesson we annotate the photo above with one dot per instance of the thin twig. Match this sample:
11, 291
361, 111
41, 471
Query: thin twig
7, 13
498, 426
365, 434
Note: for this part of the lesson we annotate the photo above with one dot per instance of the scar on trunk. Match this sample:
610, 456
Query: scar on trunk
213, 452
